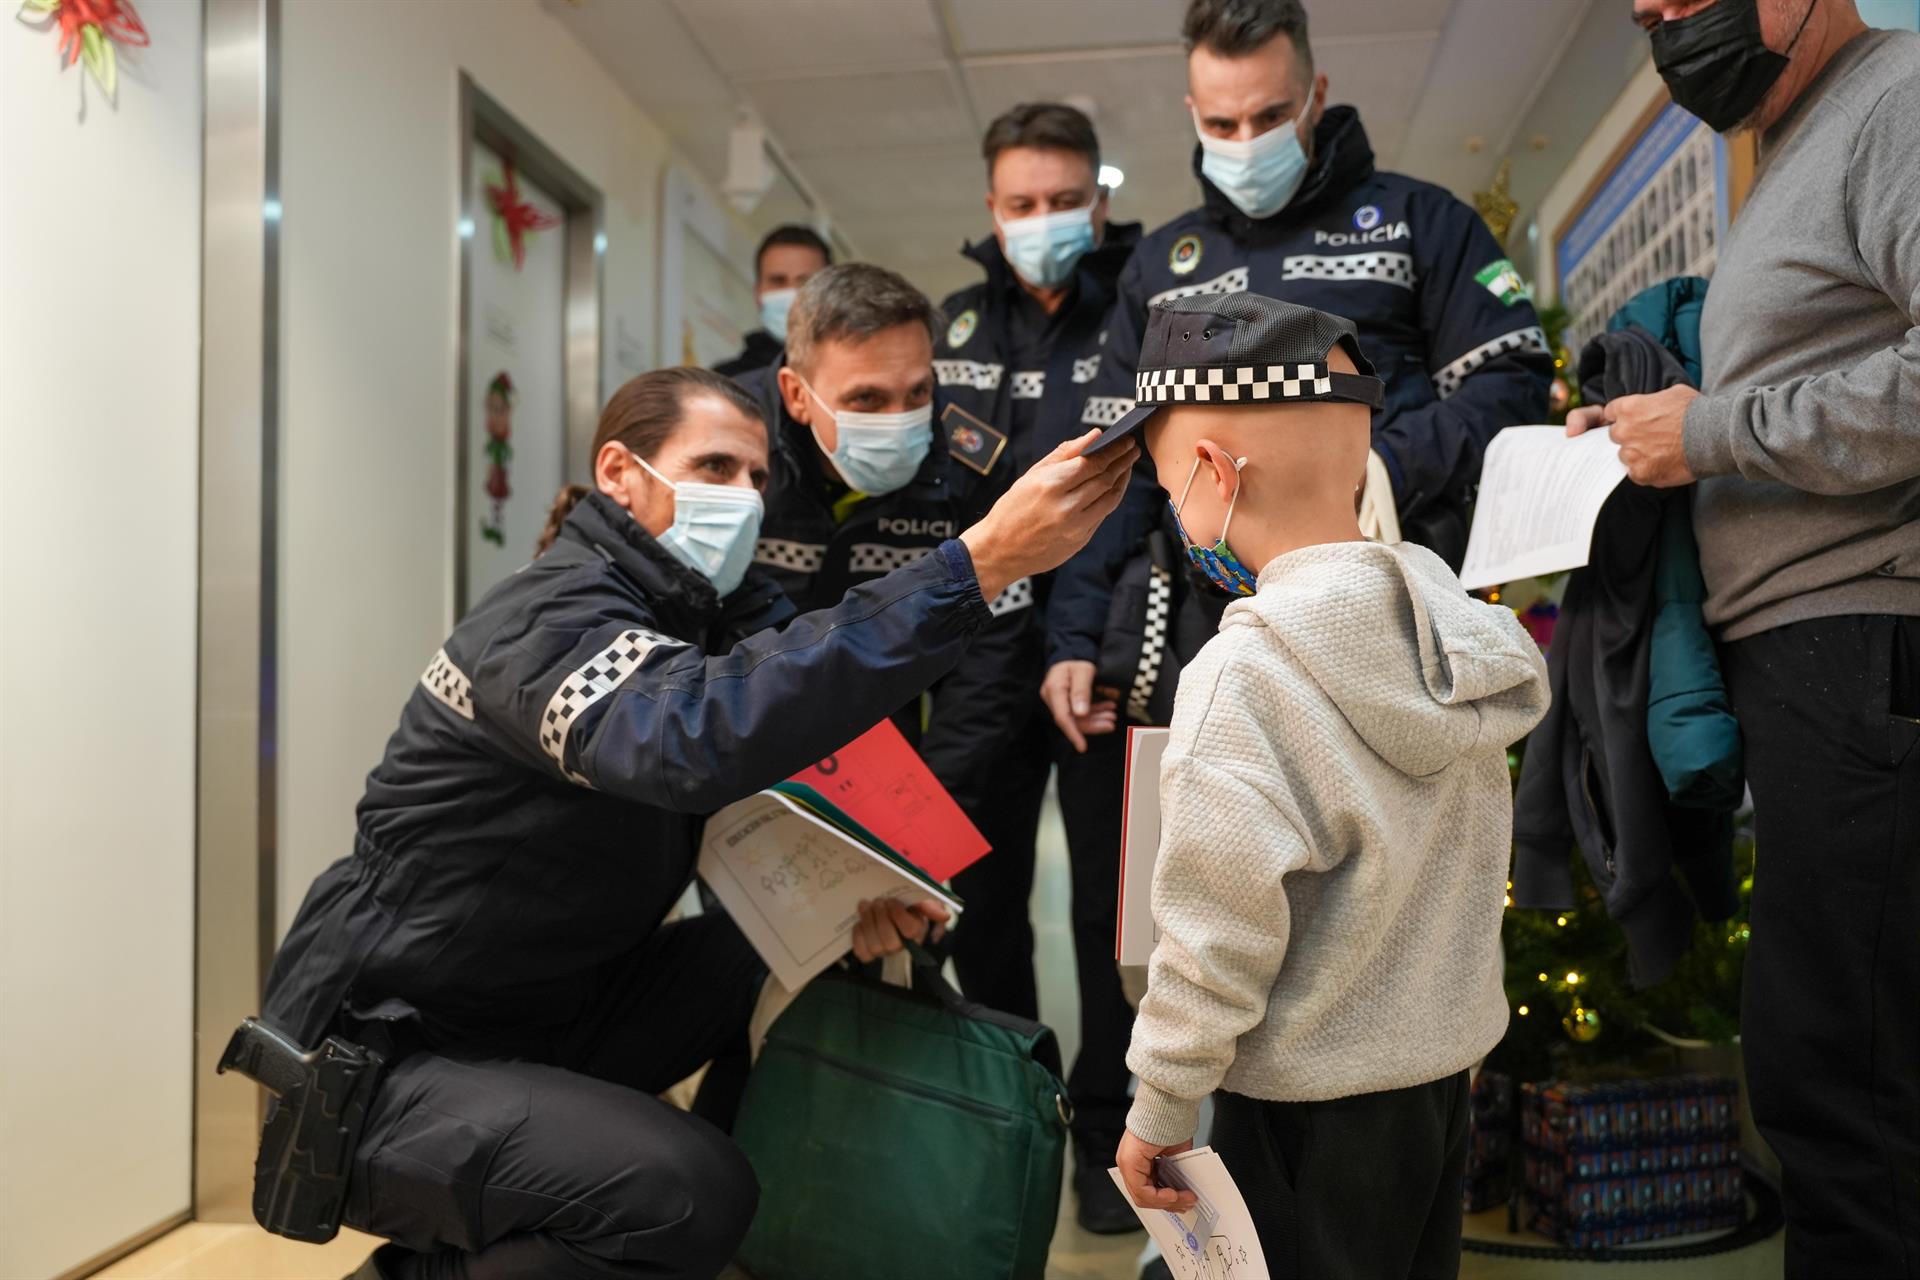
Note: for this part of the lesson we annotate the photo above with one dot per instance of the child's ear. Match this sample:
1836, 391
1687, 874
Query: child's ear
1225, 469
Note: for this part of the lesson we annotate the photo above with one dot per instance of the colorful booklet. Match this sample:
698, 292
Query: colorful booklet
1139, 846
880, 780
791, 868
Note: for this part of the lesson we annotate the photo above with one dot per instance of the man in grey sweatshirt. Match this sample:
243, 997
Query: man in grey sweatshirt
1805, 447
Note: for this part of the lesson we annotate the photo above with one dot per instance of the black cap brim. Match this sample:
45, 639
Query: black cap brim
1135, 419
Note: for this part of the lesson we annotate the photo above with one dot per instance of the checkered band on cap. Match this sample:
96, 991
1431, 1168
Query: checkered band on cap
1228, 385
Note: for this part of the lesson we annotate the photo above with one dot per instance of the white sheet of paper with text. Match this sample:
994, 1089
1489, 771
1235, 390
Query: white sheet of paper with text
1540, 495
1214, 1240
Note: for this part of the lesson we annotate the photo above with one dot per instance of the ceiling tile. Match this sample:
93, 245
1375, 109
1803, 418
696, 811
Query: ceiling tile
1377, 18
999, 26
860, 112
1134, 96
754, 38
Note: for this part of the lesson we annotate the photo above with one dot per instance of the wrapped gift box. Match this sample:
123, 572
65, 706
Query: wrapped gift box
1631, 1160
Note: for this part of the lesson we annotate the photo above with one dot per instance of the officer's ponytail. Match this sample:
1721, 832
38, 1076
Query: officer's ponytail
643, 416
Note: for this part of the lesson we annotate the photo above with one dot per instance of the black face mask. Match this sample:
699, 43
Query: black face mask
1715, 63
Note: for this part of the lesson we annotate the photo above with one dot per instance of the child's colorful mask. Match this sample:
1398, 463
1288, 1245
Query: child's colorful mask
1218, 562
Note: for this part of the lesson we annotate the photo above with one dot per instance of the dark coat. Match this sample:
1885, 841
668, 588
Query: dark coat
1623, 647
539, 807
761, 350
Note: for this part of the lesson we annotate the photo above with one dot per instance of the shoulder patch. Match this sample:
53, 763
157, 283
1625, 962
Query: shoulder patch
1503, 281
971, 442
962, 327
1185, 255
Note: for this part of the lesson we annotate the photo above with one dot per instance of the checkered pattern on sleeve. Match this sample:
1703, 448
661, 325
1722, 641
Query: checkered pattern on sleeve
1018, 595
1448, 379
802, 557
1104, 411
878, 557
1242, 382
592, 681
449, 685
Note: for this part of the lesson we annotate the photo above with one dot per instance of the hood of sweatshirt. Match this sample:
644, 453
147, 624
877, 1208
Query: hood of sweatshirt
1420, 669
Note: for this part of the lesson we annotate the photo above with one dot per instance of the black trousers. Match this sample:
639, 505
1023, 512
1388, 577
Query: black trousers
1360, 1188
483, 1167
1830, 1017
993, 947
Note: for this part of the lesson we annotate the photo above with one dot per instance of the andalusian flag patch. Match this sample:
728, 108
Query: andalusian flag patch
1504, 282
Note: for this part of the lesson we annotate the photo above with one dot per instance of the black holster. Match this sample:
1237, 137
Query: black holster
321, 1098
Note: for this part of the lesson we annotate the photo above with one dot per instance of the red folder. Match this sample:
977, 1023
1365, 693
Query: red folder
884, 785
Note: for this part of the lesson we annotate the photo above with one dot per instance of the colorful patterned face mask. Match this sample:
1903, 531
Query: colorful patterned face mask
1218, 562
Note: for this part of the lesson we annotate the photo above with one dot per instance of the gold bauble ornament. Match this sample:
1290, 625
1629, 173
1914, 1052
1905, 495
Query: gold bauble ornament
1582, 1024
1495, 206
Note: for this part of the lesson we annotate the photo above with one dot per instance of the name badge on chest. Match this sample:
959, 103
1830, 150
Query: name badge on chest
973, 444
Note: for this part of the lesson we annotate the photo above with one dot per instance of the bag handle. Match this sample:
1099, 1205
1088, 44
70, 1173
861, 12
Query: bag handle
930, 980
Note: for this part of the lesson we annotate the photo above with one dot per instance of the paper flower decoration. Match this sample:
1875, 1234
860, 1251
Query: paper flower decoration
88, 31
514, 219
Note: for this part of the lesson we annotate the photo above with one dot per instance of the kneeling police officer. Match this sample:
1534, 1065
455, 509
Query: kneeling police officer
496, 941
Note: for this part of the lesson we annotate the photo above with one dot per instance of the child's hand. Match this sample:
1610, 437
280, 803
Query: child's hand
1135, 1159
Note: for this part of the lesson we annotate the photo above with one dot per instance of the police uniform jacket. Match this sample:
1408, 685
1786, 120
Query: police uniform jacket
1442, 314
760, 350
820, 540
1029, 394
539, 808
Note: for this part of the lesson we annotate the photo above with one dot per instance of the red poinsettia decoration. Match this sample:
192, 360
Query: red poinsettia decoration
514, 218
88, 31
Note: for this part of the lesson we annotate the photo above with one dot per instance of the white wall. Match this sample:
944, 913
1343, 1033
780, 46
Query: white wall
369, 262
99, 475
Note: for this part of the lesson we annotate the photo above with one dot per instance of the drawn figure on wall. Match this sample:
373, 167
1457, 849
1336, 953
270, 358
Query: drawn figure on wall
499, 448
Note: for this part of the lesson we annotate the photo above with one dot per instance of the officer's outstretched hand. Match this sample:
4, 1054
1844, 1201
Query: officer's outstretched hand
1049, 513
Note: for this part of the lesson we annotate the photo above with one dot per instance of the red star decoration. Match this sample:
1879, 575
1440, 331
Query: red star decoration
517, 217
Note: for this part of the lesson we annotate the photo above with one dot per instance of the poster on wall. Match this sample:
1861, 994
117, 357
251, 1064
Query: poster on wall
515, 437
1660, 212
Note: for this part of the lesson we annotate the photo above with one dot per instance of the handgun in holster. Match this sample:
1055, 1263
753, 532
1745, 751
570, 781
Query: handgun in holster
321, 1098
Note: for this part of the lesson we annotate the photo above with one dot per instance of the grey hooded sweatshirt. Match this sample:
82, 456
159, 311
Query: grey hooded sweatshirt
1336, 821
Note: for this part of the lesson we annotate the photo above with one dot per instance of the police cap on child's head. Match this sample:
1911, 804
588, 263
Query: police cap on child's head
1242, 348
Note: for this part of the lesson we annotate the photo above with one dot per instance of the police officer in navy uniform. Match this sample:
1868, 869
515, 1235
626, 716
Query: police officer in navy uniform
1293, 208
859, 490
1020, 350
498, 930
788, 257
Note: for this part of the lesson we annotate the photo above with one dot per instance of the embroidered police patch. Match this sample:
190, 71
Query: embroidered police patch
1503, 281
1367, 217
1185, 255
971, 442
962, 328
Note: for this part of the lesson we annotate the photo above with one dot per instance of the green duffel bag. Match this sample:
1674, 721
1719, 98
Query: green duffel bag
889, 1124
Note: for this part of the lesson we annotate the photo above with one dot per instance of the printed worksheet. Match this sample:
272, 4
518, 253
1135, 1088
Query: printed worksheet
1540, 496
1216, 1239
1139, 846
792, 870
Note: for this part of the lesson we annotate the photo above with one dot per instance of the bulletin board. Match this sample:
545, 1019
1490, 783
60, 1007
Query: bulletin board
531, 245
1659, 210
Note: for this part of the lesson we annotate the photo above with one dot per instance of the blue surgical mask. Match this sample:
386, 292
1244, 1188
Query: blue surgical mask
1259, 175
1222, 567
774, 305
877, 452
1045, 248
715, 528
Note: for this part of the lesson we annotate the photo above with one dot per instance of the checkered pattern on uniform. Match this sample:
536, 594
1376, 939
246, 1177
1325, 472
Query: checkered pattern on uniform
1018, 595
878, 557
1234, 281
1153, 643
1246, 382
801, 557
1104, 411
1448, 380
968, 373
581, 688
1388, 268
1029, 384
1086, 370
448, 684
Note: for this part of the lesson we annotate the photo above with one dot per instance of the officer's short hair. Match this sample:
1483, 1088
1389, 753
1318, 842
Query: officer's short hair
853, 300
793, 234
1052, 126
1235, 28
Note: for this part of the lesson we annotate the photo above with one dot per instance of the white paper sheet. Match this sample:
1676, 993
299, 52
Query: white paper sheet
1139, 846
793, 883
1216, 1239
1540, 494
